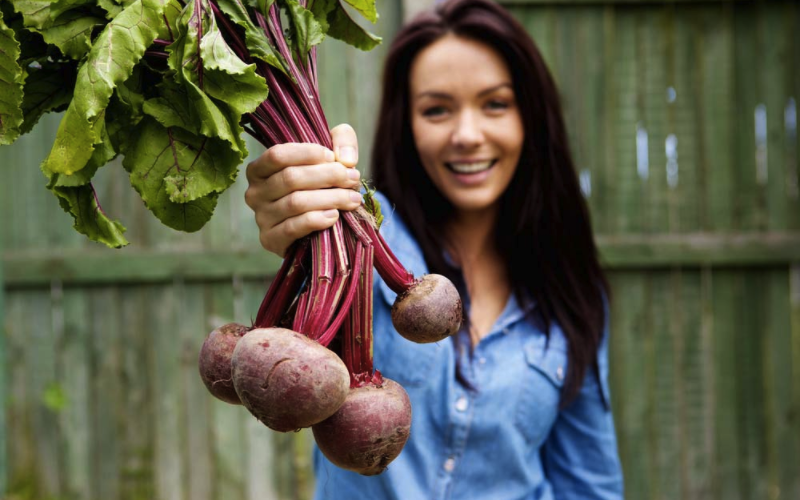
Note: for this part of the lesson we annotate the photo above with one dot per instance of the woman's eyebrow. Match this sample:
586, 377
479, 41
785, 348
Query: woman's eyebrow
444, 95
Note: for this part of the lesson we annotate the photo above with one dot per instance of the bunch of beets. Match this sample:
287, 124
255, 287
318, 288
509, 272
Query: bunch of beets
307, 359
172, 85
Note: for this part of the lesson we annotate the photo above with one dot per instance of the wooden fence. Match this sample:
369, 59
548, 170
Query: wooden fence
683, 122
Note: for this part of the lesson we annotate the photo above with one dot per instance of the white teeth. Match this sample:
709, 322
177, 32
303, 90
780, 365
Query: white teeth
470, 168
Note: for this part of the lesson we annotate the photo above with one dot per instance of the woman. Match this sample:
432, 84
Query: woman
472, 162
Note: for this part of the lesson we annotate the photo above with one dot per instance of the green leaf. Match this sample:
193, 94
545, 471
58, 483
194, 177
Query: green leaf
12, 79
116, 51
228, 78
36, 13
371, 203
112, 7
48, 88
366, 8
179, 175
89, 218
306, 31
342, 27
58, 7
256, 41
71, 32
167, 30
77, 197
173, 108
215, 118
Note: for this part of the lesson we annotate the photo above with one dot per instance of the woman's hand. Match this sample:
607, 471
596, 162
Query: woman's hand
296, 189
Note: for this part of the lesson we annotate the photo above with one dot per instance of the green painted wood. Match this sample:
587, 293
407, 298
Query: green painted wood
716, 117
617, 252
137, 423
631, 355
726, 364
106, 418
196, 421
76, 378
3, 381
794, 304
780, 427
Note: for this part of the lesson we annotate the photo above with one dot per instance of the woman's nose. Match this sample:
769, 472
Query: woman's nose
467, 133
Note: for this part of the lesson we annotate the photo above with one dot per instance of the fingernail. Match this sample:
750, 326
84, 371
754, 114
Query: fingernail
329, 156
330, 214
347, 154
353, 174
355, 197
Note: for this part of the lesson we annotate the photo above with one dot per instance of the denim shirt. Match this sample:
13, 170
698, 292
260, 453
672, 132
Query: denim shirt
503, 439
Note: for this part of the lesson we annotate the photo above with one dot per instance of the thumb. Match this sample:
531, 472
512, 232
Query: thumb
345, 144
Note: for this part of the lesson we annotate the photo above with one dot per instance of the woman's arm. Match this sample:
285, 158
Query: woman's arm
580, 455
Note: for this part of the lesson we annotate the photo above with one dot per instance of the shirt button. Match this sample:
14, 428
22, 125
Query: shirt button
462, 404
560, 373
449, 464
482, 361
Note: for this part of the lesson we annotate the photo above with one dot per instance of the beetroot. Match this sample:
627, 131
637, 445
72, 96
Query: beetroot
369, 430
215, 361
428, 311
287, 380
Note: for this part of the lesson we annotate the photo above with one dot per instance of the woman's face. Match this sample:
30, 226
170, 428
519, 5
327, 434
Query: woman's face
465, 120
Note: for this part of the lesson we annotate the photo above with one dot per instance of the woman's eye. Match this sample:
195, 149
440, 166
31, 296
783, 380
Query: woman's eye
434, 111
497, 105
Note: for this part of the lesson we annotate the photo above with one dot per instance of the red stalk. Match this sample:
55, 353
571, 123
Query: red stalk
389, 267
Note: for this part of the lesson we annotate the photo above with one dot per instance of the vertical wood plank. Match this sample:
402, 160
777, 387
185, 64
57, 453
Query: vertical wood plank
783, 456
3, 377
749, 210
665, 432
195, 402
75, 359
137, 475
684, 179
655, 36
751, 401
163, 303
729, 450
22, 473
691, 327
626, 187
631, 376
716, 116
107, 402
772, 29
794, 298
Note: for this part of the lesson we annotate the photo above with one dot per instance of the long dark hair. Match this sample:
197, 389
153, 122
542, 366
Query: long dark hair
543, 230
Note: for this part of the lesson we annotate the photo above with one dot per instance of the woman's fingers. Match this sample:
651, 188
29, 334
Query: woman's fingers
299, 202
278, 239
309, 177
345, 144
281, 156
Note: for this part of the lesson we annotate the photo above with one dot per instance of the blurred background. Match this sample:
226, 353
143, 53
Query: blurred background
683, 122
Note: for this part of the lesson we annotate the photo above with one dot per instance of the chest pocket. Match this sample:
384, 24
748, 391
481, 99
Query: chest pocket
542, 382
